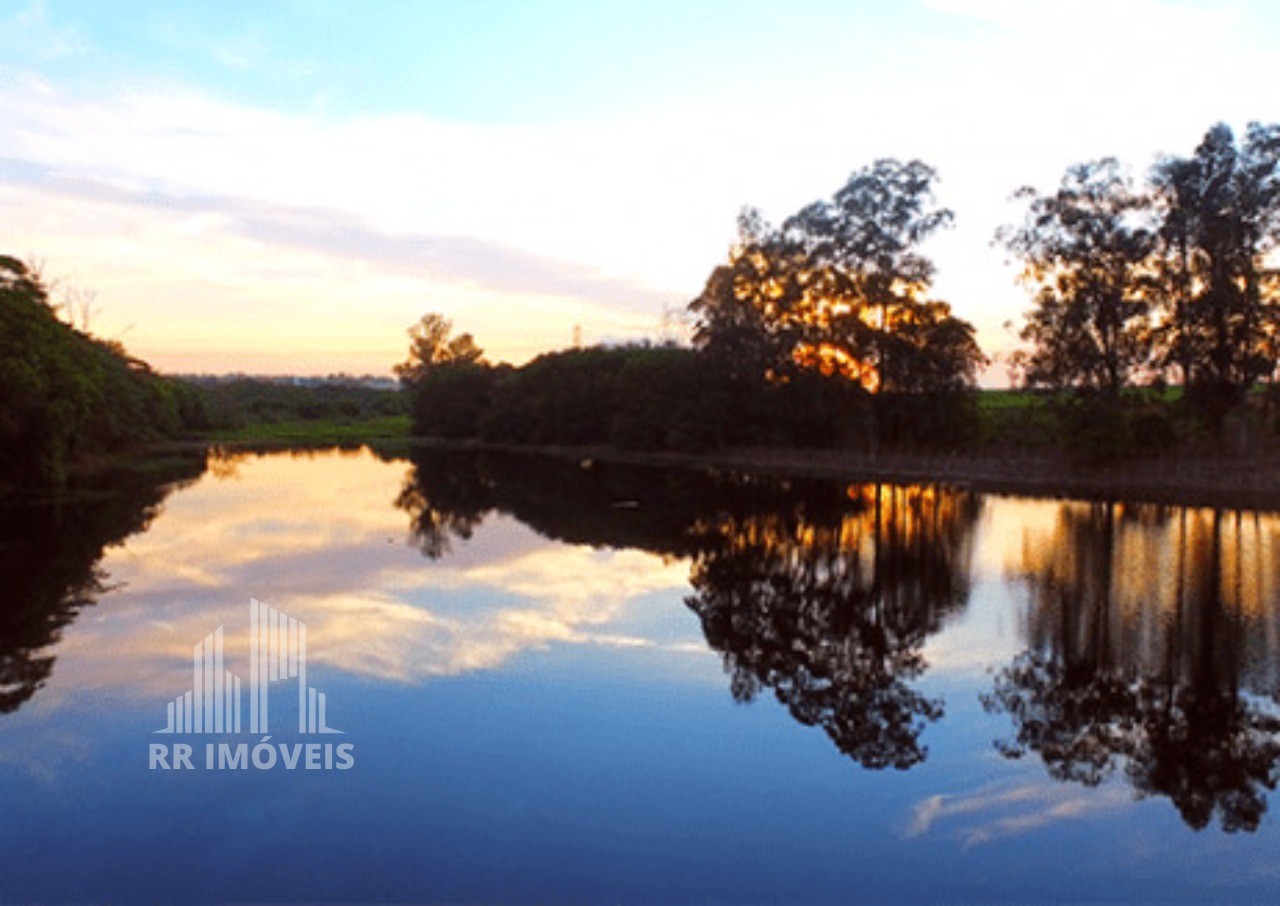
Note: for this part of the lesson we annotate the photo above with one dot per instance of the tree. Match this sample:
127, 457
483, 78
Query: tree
431, 346
65, 394
749, 316
841, 289
1221, 221
447, 377
872, 280
1086, 252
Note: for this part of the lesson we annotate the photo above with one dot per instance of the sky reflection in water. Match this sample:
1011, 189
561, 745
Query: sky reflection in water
953, 694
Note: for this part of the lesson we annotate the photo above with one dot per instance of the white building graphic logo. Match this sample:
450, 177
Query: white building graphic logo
277, 651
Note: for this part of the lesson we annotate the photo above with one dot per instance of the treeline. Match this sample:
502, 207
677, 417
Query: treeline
65, 394
633, 397
819, 332
1155, 318
1145, 284
232, 403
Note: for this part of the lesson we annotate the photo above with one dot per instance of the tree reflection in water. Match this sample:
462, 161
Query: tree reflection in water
832, 614
1152, 654
49, 553
445, 498
1151, 633
823, 593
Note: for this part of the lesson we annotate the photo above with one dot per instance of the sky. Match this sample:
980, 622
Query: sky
286, 187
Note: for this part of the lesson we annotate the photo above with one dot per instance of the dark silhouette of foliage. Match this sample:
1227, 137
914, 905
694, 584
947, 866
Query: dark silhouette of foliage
1220, 220
566, 397
49, 553
1170, 280
450, 400
821, 592
445, 498
431, 346
841, 287
749, 318
1086, 252
833, 615
841, 290
642, 397
64, 394
447, 379
793, 336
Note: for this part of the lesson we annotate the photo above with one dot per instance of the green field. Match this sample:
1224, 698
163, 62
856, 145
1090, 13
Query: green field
316, 431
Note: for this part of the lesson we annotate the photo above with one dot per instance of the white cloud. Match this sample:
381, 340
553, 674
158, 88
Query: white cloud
373, 605
627, 213
999, 811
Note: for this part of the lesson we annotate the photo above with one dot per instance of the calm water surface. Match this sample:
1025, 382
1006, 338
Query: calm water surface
569, 684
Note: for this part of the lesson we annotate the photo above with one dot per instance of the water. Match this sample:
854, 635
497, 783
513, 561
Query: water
584, 684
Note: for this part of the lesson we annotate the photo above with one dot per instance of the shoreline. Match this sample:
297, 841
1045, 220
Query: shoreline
1244, 483
1227, 482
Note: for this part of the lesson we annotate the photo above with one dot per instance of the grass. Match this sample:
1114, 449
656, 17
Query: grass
1004, 400
316, 431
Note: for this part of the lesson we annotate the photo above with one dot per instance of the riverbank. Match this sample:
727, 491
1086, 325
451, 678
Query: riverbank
1231, 482
1239, 482
103, 474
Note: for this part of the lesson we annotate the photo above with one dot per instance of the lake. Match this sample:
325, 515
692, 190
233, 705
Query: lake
555, 681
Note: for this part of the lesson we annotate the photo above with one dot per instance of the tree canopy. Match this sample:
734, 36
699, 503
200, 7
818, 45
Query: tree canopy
1086, 253
1172, 278
1220, 221
842, 287
65, 394
432, 345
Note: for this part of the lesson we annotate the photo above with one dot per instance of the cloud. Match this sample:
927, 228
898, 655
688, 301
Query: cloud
601, 221
190, 216
1000, 811
373, 605
343, 235
566, 192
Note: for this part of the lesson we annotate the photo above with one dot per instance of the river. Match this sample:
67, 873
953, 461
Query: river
309, 675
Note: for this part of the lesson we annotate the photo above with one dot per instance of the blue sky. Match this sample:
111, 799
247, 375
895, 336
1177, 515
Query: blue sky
286, 186
468, 62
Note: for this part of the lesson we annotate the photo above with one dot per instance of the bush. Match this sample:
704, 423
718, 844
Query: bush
637, 398
449, 400
1093, 427
232, 404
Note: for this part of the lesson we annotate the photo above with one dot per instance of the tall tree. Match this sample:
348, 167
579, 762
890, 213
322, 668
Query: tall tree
842, 287
1221, 222
1086, 252
432, 346
865, 242
447, 379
